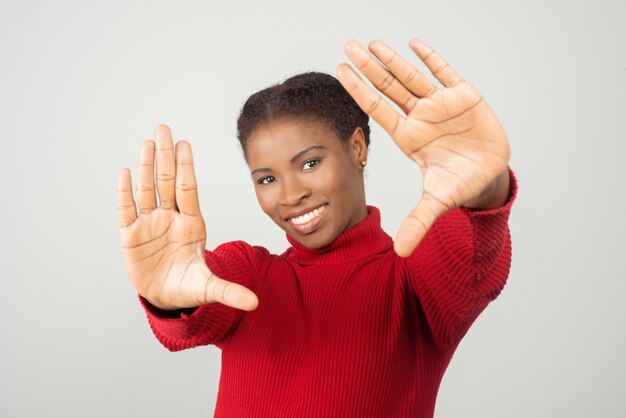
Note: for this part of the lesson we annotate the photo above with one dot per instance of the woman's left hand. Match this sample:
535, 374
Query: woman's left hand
450, 132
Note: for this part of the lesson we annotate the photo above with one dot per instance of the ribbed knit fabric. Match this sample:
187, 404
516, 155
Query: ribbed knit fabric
349, 330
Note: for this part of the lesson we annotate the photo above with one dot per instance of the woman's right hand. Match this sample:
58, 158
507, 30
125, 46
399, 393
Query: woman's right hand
163, 246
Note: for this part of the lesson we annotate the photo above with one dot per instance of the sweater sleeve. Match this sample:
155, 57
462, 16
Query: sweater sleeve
211, 323
460, 266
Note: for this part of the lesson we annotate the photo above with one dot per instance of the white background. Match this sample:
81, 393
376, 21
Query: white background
83, 83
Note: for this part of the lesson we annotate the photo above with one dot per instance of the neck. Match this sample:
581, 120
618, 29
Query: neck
363, 239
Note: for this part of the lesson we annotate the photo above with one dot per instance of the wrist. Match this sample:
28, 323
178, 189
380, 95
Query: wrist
166, 311
494, 196
158, 305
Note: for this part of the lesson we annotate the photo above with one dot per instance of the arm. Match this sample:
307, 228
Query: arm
460, 266
456, 239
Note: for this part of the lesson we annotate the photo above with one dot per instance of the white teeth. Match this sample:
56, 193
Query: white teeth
307, 216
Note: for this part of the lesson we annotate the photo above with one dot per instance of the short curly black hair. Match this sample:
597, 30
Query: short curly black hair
310, 97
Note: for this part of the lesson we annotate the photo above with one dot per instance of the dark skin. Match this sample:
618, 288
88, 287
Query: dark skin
297, 167
450, 132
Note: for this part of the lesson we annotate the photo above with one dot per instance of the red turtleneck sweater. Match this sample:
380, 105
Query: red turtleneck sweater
349, 330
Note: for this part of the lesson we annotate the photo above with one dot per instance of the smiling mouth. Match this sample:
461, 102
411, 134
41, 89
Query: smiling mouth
310, 221
307, 217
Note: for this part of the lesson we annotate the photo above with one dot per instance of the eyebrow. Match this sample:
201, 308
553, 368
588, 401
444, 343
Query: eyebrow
293, 159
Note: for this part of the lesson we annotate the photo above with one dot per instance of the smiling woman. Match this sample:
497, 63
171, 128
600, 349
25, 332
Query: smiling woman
305, 141
345, 322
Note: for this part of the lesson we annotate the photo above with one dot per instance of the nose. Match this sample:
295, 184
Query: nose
293, 191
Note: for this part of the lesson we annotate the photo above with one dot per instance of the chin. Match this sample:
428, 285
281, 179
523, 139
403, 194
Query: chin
314, 242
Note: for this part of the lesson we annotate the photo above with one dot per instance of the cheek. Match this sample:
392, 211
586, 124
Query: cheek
335, 180
266, 199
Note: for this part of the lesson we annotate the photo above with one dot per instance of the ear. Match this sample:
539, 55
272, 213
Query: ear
358, 148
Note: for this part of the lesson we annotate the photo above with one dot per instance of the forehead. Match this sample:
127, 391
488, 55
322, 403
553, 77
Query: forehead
281, 140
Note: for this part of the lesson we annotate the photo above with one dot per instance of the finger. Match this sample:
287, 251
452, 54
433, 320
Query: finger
435, 63
145, 178
417, 224
368, 100
165, 167
380, 77
186, 187
407, 74
230, 294
126, 209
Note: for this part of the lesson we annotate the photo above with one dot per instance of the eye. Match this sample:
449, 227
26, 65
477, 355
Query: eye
266, 180
310, 164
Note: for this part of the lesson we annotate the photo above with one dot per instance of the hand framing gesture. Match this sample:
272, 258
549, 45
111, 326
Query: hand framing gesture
450, 132
163, 247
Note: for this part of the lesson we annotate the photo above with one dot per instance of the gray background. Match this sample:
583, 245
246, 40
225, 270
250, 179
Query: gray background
82, 84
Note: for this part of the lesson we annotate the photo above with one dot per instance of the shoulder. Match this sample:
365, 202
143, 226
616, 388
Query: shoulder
237, 255
239, 248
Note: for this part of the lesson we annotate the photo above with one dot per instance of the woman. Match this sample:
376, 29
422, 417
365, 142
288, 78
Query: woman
346, 322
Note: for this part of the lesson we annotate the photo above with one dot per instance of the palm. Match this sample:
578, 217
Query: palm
163, 247
163, 251
451, 133
458, 143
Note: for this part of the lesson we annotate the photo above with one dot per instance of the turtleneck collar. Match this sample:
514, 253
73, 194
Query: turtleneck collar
361, 240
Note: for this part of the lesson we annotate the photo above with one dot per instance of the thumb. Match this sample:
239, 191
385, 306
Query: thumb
417, 224
228, 293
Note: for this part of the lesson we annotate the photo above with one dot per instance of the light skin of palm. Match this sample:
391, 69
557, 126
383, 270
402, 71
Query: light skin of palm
450, 132
163, 246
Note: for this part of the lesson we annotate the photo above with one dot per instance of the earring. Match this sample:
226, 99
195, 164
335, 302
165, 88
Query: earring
363, 163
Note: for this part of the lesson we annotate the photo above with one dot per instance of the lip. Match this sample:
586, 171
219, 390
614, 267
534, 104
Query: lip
310, 226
